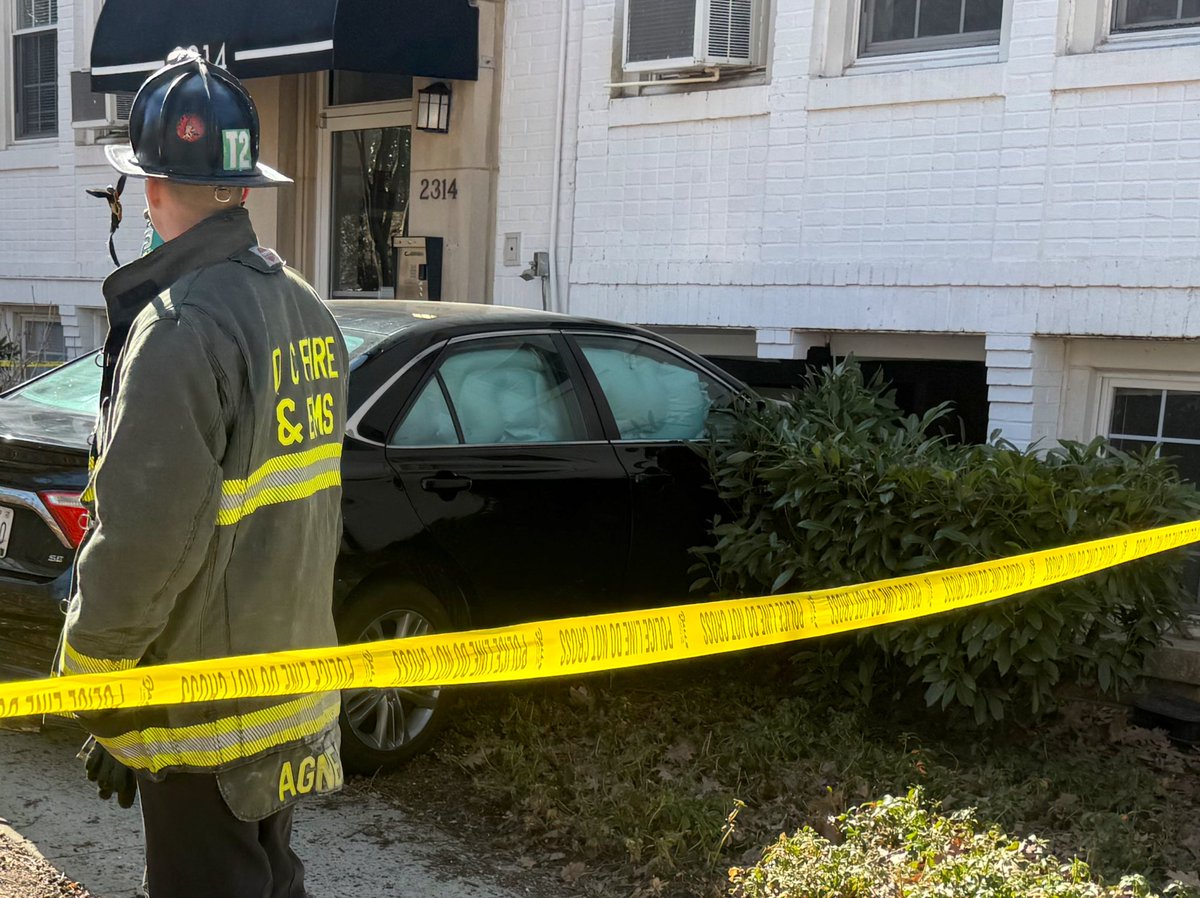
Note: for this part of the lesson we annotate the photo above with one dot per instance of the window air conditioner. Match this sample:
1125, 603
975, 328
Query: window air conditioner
93, 110
681, 35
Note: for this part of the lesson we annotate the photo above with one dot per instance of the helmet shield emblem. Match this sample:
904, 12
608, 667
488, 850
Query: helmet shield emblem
190, 128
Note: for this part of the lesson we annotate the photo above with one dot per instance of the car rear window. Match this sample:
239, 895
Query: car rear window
75, 387
356, 344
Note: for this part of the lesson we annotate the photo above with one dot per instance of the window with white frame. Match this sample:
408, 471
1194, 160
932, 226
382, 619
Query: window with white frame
31, 339
1140, 15
42, 341
1167, 422
914, 26
35, 68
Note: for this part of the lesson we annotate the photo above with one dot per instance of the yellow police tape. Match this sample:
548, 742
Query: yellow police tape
585, 644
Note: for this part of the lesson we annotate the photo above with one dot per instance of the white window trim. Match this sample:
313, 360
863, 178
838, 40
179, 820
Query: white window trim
11, 33
1090, 30
1110, 383
38, 317
736, 102
14, 317
8, 109
389, 114
1131, 64
861, 89
836, 45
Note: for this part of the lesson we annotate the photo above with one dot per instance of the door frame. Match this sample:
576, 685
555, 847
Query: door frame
332, 119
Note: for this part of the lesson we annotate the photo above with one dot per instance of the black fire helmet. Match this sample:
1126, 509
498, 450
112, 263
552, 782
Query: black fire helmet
194, 123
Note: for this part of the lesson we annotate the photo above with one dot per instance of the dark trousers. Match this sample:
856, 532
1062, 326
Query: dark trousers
196, 848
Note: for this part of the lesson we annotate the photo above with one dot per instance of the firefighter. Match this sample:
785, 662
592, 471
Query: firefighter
214, 502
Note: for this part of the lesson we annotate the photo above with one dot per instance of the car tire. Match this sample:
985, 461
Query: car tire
383, 728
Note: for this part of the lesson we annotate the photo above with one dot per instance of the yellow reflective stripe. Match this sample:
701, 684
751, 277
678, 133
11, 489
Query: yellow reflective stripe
279, 495
223, 741
291, 461
285, 478
226, 725
208, 758
75, 662
89, 494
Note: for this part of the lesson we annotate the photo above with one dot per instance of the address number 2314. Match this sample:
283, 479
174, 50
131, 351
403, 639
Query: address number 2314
439, 188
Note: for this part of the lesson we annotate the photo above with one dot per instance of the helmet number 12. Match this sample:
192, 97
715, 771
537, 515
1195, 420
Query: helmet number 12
237, 150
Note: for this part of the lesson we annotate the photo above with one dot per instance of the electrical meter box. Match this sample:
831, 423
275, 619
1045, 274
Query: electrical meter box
418, 267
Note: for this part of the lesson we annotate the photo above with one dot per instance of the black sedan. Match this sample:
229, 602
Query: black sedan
500, 466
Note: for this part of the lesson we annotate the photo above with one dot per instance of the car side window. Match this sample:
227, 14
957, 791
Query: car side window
493, 392
428, 422
654, 395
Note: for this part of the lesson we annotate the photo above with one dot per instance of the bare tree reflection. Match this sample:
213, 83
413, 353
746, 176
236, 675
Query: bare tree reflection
371, 184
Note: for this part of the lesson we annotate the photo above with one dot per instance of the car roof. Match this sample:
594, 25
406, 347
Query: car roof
395, 318
389, 314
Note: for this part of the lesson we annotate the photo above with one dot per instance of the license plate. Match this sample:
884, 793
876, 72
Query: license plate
6, 521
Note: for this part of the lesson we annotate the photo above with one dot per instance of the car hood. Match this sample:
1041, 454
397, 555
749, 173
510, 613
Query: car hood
32, 423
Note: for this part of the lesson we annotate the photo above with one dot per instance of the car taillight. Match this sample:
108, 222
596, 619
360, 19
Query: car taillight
72, 517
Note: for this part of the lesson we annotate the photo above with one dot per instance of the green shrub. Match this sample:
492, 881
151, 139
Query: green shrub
896, 847
634, 773
838, 487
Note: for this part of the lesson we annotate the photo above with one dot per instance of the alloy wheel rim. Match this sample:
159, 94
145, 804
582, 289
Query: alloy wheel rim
389, 719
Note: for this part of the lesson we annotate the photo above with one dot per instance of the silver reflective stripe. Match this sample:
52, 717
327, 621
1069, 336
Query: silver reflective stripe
224, 741
285, 478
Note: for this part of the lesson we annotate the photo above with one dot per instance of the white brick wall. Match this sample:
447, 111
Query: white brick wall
52, 235
925, 182
1121, 180
1025, 378
1036, 195
686, 192
530, 71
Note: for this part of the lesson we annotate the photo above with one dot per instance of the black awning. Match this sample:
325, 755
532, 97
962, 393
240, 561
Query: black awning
258, 38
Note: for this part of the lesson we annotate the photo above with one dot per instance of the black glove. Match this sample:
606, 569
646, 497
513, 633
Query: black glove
110, 775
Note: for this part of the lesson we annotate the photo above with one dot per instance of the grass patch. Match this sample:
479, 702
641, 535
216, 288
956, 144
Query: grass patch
658, 781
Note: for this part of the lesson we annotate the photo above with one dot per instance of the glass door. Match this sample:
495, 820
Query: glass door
371, 169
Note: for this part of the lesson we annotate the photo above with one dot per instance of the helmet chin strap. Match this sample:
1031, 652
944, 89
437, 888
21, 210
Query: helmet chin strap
113, 195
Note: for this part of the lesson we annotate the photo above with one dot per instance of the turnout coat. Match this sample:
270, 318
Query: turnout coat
215, 508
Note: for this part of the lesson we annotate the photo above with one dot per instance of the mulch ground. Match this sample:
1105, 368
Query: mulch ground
26, 874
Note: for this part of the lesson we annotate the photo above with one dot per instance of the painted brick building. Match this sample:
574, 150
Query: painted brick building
354, 142
52, 257
1010, 188
1024, 197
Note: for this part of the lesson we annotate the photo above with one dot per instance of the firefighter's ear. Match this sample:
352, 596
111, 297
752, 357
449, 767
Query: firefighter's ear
154, 192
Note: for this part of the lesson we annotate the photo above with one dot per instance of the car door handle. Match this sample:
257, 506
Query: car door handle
446, 484
652, 477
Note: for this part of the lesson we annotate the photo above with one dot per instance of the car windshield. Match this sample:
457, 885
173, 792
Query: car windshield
75, 387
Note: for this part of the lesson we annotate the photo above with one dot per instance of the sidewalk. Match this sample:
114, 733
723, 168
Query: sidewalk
351, 844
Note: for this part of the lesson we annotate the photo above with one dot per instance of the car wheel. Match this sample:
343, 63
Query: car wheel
383, 728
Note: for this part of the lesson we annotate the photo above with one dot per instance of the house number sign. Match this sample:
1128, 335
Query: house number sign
439, 188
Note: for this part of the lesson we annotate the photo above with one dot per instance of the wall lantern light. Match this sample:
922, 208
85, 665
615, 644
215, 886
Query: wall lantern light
433, 108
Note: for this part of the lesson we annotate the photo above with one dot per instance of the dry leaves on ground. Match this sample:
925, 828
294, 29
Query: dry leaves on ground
24, 874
